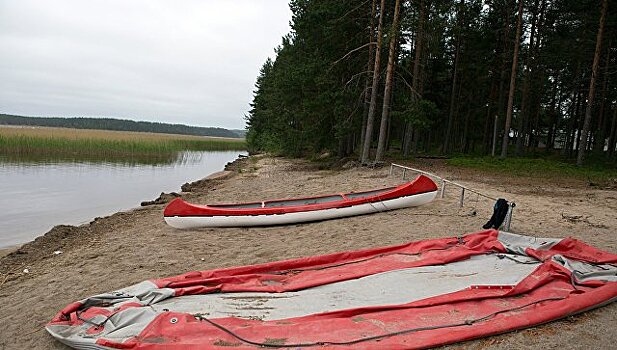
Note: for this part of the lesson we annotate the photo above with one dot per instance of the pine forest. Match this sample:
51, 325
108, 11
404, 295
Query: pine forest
508, 78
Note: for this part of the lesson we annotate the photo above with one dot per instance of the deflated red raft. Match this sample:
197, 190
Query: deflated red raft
416, 295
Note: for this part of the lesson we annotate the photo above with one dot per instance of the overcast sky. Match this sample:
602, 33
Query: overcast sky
191, 61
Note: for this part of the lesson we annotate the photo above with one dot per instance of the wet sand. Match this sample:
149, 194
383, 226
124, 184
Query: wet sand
7, 250
128, 247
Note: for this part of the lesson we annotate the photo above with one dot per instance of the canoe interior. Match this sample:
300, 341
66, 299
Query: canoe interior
357, 195
302, 201
238, 206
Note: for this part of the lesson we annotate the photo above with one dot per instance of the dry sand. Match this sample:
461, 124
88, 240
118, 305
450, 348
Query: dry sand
126, 248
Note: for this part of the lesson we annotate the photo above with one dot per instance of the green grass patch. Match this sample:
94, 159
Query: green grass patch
596, 170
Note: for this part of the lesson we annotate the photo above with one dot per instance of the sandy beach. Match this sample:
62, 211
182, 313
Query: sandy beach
70, 263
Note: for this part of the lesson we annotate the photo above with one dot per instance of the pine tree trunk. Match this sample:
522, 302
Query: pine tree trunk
465, 139
407, 138
520, 140
502, 74
573, 125
385, 111
446, 145
572, 110
550, 137
592, 88
612, 140
580, 119
600, 139
367, 83
418, 54
517, 39
488, 122
373, 104
415, 83
533, 125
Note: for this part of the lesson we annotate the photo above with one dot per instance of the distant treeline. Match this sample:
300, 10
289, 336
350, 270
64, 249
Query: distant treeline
119, 125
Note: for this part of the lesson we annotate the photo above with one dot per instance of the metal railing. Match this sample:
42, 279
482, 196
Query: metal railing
463, 188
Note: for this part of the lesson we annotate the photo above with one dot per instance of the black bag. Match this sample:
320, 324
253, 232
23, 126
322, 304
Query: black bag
499, 214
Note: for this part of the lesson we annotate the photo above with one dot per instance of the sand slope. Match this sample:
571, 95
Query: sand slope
126, 248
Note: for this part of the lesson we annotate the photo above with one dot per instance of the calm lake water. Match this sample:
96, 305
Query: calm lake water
39, 195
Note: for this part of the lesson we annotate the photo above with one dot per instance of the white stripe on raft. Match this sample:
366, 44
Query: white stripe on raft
394, 287
184, 222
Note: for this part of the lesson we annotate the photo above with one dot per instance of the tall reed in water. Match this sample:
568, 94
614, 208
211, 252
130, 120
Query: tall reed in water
75, 143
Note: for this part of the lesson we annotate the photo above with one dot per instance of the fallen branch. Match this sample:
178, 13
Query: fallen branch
580, 218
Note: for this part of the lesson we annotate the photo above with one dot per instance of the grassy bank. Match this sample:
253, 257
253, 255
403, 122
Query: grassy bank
539, 167
74, 144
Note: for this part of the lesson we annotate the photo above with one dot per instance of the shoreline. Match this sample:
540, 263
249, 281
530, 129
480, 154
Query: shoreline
7, 250
163, 198
128, 247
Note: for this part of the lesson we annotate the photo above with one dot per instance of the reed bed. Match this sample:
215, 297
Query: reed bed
59, 142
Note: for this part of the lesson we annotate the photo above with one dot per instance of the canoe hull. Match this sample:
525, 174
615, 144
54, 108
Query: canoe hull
188, 222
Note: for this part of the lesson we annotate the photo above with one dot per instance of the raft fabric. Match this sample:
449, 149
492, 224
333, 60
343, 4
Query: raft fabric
416, 295
393, 287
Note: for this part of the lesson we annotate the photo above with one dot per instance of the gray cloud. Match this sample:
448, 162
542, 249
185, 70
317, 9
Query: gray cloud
190, 61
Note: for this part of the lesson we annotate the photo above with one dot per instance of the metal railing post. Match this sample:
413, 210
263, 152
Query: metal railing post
404, 173
462, 197
443, 188
391, 168
511, 206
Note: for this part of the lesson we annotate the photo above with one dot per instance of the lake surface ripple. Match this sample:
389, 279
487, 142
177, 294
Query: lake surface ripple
39, 195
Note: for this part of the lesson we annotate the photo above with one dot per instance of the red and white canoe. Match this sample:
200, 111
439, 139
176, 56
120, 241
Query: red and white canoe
181, 214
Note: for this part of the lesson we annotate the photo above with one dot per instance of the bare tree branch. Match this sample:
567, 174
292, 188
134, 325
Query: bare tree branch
351, 11
352, 51
355, 76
